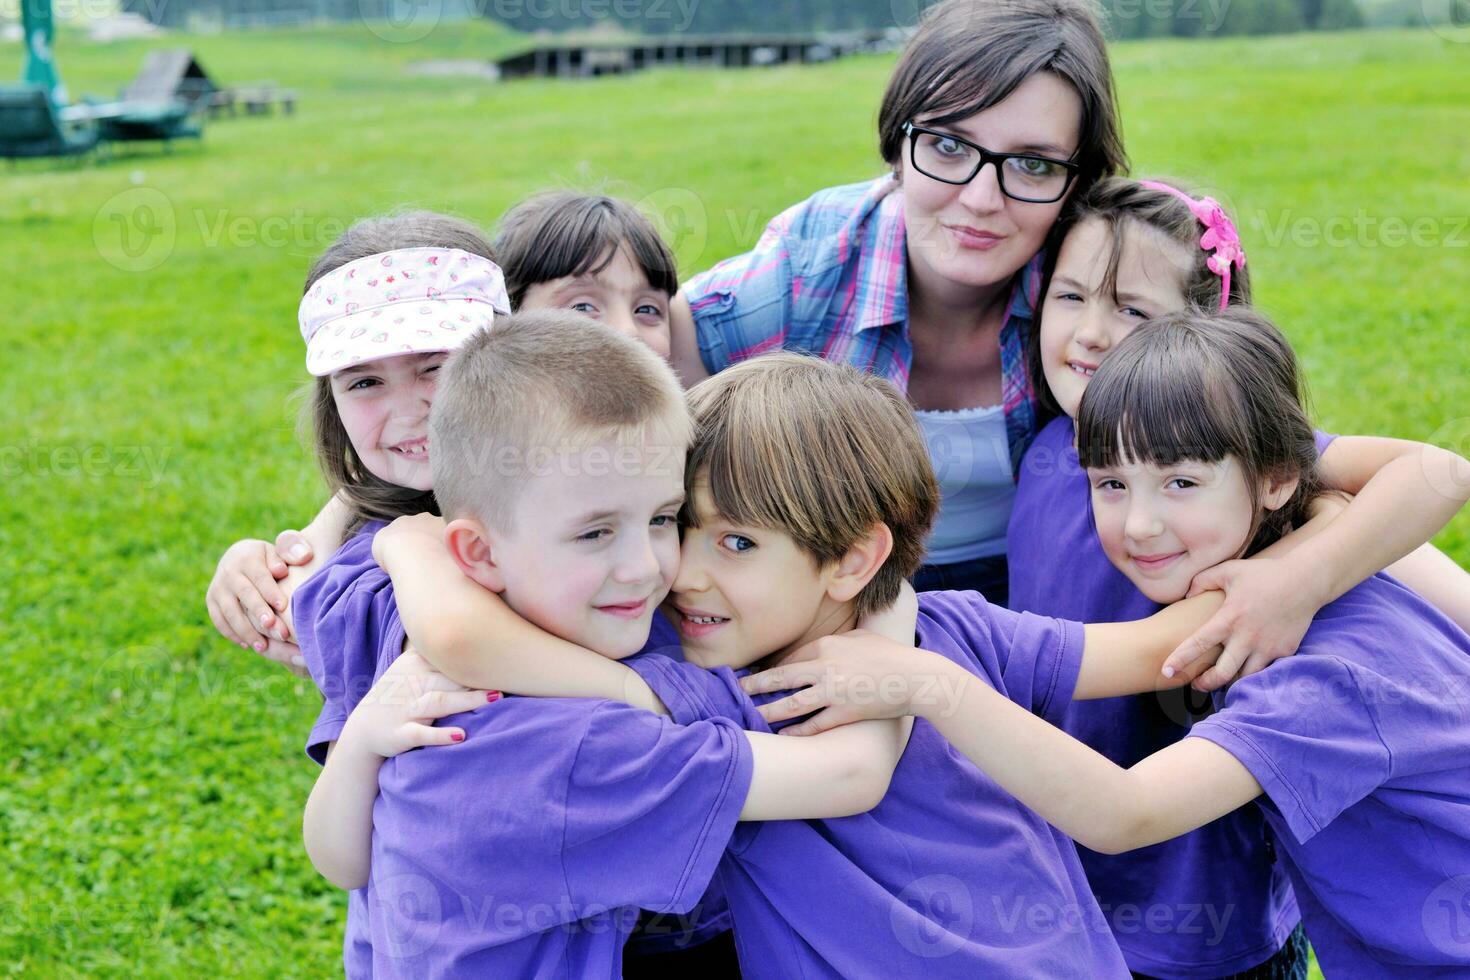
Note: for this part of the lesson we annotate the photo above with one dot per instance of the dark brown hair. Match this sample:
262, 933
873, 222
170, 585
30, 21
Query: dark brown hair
1117, 202
819, 451
560, 233
969, 55
368, 497
1204, 386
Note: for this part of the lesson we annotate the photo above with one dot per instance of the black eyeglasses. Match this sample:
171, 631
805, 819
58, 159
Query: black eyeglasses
1022, 176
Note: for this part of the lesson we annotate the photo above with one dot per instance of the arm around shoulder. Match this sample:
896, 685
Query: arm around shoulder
838, 773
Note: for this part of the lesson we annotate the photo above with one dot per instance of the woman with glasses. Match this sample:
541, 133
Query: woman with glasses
997, 113
929, 275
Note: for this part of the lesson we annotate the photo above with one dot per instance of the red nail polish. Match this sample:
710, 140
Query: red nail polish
457, 736
492, 696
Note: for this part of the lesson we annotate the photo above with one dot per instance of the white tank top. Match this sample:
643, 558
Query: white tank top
972, 461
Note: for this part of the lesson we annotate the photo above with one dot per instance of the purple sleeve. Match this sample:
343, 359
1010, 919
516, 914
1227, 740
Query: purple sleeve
1032, 660
1323, 441
1305, 729
650, 807
347, 625
692, 693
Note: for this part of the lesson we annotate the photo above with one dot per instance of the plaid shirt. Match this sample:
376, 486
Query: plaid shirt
829, 277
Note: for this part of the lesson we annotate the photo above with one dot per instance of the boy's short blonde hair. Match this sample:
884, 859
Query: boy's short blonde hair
820, 452
531, 394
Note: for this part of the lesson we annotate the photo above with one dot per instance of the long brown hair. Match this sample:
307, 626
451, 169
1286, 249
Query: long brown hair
1119, 202
1203, 386
368, 497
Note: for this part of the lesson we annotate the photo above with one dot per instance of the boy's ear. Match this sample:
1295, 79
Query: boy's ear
1276, 491
856, 569
468, 543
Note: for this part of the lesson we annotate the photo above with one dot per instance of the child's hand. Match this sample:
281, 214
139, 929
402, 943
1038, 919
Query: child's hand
853, 676
423, 529
244, 600
397, 714
1268, 609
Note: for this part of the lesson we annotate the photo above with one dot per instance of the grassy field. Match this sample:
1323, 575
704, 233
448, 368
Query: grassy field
153, 776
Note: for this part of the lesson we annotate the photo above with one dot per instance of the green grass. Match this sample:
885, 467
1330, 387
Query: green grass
152, 778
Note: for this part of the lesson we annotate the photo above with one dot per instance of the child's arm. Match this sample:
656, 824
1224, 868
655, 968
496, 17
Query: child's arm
470, 634
836, 774
684, 343
827, 676
396, 715
1406, 492
1082, 793
1131, 658
249, 597
474, 636
311, 547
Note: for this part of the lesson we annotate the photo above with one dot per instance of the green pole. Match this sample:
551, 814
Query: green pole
40, 66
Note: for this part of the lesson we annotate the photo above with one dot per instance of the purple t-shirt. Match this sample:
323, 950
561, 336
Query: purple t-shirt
1361, 743
348, 626
527, 850
1209, 903
949, 876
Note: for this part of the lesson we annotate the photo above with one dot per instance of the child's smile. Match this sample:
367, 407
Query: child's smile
1162, 525
744, 593
1082, 319
384, 407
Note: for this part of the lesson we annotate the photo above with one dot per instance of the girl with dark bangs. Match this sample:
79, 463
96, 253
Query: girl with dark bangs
1128, 252
1356, 750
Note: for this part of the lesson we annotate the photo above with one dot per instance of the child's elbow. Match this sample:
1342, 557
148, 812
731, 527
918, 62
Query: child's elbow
1117, 832
864, 787
1109, 844
453, 649
337, 868
345, 875
1451, 465
443, 642
349, 882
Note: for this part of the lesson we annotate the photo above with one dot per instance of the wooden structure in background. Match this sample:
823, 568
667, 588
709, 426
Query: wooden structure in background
617, 56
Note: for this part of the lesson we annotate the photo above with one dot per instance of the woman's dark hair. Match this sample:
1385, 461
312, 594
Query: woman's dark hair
1203, 386
969, 55
561, 233
368, 497
1119, 201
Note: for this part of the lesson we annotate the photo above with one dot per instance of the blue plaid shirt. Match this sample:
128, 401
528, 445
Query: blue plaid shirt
830, 277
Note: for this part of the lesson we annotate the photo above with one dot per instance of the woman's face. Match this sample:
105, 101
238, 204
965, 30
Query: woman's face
971, 235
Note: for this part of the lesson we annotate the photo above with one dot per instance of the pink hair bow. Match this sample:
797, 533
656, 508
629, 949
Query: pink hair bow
1220, 236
